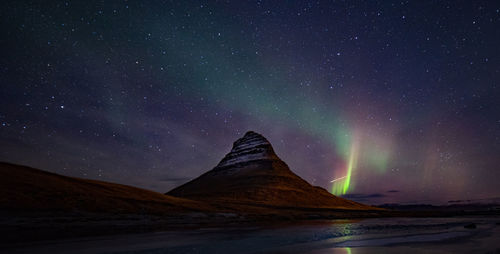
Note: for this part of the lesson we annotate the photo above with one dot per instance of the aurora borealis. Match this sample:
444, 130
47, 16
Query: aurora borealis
398, 100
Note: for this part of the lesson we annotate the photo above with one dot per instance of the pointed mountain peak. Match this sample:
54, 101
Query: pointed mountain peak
250, 137
251, 174
251, 147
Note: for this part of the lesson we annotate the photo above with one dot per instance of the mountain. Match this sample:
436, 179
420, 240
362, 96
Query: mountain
250, 180
250, 185
251, 174
27, 189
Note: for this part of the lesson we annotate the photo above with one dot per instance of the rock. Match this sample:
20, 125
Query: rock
250, 147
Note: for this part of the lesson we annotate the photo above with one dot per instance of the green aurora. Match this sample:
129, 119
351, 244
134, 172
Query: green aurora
222, 76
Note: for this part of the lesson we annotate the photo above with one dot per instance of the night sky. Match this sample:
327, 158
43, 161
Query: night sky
402, 96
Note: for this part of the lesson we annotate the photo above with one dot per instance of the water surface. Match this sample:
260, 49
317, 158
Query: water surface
387, 235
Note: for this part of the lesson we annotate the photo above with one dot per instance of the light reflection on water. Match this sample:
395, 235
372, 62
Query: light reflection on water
390, 235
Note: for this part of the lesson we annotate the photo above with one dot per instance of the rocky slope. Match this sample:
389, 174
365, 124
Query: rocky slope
251, 174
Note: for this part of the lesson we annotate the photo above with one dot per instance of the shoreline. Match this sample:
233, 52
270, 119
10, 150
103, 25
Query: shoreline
389, 235
31, 227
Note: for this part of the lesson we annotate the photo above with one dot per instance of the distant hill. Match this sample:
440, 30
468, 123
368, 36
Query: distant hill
32, 190
253, 175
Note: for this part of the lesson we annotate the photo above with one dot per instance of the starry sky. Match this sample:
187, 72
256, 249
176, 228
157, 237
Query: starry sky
396, 101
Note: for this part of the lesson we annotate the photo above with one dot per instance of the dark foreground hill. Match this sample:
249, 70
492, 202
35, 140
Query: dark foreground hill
251, 174
26, 189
